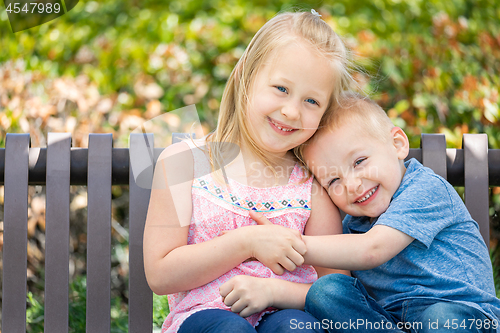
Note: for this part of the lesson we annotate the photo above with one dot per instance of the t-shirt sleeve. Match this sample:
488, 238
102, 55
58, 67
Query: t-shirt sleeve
421, 208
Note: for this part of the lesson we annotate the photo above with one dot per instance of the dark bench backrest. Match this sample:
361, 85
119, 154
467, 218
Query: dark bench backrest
473, 159
101, 166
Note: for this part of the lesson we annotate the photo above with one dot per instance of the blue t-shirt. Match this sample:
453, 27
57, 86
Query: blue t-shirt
448, 260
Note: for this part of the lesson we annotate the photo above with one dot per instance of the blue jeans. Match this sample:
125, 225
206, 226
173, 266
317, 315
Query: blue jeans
221, 321
342, 304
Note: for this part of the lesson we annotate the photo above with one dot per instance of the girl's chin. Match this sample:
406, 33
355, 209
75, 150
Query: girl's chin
278, 146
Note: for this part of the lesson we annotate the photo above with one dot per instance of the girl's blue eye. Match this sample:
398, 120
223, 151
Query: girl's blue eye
282, 89
312, 101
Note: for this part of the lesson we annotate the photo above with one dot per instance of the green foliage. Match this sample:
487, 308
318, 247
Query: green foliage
433, 65
160, 310
34, 314
77, 305
494, 253
77, 311
439, 58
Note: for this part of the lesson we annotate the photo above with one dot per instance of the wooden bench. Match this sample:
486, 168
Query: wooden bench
99, 167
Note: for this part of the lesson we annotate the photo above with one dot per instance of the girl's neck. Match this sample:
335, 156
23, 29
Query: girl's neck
249, 169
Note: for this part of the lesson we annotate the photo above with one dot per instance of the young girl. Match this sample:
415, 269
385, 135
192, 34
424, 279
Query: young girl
194, 247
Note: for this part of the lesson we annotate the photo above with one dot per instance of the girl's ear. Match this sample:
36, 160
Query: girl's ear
401, 143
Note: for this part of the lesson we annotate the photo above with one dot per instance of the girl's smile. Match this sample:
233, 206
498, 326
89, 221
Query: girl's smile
281, 128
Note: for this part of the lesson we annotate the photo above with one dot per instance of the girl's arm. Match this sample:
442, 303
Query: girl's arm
247, 295
170, 264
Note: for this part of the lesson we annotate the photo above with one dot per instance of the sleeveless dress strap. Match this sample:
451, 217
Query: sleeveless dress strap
202, 165
298, 175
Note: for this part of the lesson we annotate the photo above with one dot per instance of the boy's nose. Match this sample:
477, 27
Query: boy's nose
353, 185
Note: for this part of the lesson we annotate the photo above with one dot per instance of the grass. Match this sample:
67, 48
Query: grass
77, 311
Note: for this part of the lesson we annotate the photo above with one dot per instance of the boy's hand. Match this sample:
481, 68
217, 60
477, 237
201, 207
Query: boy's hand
246, 295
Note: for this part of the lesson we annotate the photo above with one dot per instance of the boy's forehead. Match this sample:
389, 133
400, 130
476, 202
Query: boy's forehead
322, 147
356, 132
335, 145
330, 137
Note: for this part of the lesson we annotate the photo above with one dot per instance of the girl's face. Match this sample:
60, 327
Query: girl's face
288, 97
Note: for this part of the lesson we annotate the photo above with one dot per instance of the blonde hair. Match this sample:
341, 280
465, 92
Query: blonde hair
353, 108
277, 32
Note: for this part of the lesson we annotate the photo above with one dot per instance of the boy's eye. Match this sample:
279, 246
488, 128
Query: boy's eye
330, 183
358, 162
312, 101
282, 89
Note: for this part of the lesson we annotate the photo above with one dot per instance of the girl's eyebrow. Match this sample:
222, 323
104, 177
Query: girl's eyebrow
280, 78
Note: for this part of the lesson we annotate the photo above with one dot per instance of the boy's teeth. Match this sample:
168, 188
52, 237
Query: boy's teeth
368, 195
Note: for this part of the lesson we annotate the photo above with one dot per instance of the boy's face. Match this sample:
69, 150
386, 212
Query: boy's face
360, 172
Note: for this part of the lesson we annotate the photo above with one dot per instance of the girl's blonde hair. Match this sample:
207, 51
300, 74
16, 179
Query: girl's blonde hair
277, 32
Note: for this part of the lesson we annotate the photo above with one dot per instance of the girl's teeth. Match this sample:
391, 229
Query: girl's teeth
283, 129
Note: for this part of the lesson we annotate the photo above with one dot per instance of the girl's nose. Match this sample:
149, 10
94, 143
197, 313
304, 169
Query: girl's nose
291, 111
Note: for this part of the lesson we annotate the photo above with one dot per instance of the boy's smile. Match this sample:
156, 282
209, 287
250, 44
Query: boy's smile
360, 172
368, 196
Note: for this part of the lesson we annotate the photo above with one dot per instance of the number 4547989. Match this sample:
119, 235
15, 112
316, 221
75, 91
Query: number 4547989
470, 324
33, 7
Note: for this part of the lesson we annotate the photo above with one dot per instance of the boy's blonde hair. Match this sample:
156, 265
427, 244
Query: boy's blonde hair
279, 31
353, 108
361, 110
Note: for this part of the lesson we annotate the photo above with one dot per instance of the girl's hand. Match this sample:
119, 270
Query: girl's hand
247, 295
275, 246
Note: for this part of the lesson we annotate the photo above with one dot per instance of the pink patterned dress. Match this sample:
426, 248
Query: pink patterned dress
215, 209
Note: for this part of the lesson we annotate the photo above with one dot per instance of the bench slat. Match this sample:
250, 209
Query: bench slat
18, 159
140, 295
434, 153
99, 233
475, 148
15, 233
120, 168
57, 233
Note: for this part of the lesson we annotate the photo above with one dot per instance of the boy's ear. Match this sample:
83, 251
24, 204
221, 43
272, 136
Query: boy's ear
401, 143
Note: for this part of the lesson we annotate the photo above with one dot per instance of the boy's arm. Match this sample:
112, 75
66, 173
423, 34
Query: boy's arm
352, 251
324, 220
247, 295
356, 251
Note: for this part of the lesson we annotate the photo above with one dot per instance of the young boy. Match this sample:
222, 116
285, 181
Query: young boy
417, 258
